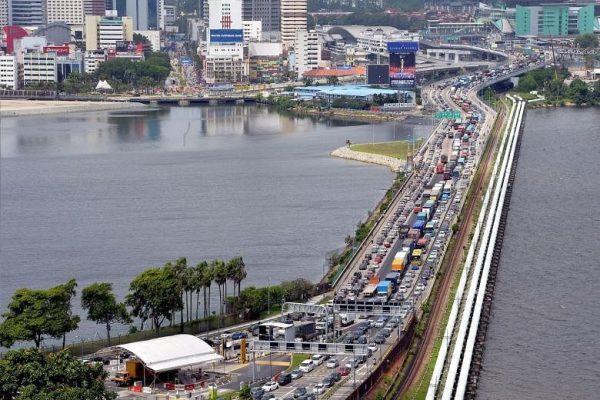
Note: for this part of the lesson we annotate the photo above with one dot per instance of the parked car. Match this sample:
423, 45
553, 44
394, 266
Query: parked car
296, 374
306, 366
270, 386
284, 379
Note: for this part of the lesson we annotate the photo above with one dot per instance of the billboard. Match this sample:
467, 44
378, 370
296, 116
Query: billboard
226, 36
378, 74
403, 64
124, 46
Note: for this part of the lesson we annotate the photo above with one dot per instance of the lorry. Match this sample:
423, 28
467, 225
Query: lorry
134, 370
370, 290
348, 319
400, 261
393, 277
384, 290
408, 245
306, 330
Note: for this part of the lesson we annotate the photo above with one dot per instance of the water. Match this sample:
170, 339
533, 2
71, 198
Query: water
543, 340
103, 196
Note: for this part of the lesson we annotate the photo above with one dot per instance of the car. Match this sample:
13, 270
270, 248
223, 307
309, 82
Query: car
344, 371
270, 386
328, 382
333, 363
318, 359
297, 374
306, 366
373, 347
299, 391
257, 392
335, 376
352, 363
319, 388
380, 322
380, 339
284, 379
387, 331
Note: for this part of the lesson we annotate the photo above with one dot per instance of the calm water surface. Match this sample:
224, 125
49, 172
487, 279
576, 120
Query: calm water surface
103, 196
543, 341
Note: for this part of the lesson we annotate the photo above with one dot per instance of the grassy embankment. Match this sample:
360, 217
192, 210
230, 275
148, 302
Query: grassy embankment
398, 149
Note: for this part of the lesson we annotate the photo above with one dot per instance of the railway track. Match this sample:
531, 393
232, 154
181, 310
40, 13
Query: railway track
425, 346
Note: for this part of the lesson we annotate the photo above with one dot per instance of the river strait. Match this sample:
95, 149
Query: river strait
103, 196
543, 340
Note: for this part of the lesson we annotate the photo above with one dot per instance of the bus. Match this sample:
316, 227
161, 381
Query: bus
415, 257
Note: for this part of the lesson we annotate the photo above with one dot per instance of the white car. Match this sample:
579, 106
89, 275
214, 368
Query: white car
333, 363
270, 386
306, 366
318, 359
319, 388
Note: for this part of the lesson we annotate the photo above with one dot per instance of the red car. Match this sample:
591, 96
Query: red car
344, 371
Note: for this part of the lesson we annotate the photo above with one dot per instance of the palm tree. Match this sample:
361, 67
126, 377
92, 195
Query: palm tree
239, 273
231, 267
180, 272
220, 278
207, 279
198, 283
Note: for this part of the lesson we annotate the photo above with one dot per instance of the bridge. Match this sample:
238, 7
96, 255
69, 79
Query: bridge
484, 54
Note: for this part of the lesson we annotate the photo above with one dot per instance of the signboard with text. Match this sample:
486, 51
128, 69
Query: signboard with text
226, 36
403, 64
447, 115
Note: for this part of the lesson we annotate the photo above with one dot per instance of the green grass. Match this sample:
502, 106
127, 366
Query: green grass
397, 149
325, 300
525, 95
296, 360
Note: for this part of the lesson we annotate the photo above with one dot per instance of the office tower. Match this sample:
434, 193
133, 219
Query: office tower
146, 14
266, 11
69, 11
293, 18
28, 12
94, 7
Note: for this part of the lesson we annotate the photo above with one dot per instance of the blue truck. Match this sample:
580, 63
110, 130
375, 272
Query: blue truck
384, 290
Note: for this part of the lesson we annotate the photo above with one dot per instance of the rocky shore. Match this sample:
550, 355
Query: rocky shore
394, 164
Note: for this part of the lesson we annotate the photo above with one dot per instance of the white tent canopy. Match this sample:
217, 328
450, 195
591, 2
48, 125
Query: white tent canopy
172, 352
103, 85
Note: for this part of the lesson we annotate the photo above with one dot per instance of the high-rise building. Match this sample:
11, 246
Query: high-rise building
28, 12
39, 67
69, 11
293, 18
9, 72
555, 20
252, 31
145, 14
308, 51
266, 11
105, 32
5, 14
94, 7
225, 56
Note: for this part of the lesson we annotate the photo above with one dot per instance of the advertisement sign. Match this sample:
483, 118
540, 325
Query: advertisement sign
59, 50
378, 74
124, 47
403, 64
226, 35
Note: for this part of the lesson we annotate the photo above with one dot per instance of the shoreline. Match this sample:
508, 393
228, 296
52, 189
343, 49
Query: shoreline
24, 108
395, 164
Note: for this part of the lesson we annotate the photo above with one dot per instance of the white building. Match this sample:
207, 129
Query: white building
92, 60
307, 50
39, 67
9, 72
4, 13
252, 31
293, 18
104, 32
170, 14
69, 11
225, 48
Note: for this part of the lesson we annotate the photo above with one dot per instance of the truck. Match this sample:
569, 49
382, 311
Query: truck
408, 245
439, 169
306, 330
348, 319
393, 277
384, 290
422, 216
419, 225
370, 290
400, 261
134, 370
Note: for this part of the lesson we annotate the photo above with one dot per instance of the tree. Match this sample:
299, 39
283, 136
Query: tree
28, 374
238, 273
102, 307
527, 83
587, 41
245, 393
578, 91
35, 313
155, 295
207, 279
220, 278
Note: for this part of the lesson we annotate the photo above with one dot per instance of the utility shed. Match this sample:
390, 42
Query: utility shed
172, 352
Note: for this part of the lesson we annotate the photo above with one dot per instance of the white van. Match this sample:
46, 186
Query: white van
306, 366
